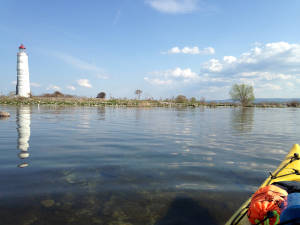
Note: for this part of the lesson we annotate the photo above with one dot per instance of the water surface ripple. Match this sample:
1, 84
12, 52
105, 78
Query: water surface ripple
156, 166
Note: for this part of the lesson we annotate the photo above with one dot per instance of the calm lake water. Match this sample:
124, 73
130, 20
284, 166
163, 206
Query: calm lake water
152, 166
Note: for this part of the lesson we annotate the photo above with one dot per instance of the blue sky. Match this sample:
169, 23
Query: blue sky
163, 47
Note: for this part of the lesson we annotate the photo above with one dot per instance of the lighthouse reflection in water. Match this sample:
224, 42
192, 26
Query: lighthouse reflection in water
23, 127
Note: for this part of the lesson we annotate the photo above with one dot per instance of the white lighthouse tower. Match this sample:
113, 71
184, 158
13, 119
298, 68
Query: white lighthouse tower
23, 84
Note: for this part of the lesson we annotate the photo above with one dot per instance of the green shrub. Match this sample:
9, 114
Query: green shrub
181, 99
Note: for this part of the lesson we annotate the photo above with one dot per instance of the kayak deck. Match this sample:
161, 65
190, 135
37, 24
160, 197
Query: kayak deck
288, 170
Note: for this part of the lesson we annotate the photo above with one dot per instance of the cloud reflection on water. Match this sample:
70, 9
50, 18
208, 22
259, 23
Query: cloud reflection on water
147, 152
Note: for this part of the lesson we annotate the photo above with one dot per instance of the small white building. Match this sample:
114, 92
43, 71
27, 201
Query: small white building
23, 83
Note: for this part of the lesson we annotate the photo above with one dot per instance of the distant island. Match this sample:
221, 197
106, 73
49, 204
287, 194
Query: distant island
57, 98
267, 100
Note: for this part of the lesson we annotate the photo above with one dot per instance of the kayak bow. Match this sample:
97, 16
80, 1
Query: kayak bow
288, 170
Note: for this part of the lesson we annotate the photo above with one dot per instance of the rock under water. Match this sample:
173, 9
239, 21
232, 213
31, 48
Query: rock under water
4, 114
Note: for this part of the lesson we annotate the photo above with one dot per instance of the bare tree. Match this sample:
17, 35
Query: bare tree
242, 93
138, 93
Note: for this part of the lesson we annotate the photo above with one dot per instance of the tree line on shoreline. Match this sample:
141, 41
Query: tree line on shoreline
102, 95
241, 95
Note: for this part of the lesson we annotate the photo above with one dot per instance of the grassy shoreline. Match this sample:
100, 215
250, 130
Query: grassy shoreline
80, 101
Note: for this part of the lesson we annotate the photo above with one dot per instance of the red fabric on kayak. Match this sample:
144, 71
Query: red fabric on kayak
265, 199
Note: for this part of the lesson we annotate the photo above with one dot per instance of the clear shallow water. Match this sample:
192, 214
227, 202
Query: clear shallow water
136, 166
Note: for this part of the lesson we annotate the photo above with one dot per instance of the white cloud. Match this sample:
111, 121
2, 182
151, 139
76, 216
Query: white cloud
267, 75
53, 87
191, 50
290, 84
84, 83
214, 89
72, 88
173, 6
102, 76
229, 59
284, 76
214, 92
265, 67
249, 74
209, 78
14, 82
185, 73
157, 81
174, 76
270, 68
246, 81
174, 50
35, 84
214, 65
80, 64
277, 57
270, 86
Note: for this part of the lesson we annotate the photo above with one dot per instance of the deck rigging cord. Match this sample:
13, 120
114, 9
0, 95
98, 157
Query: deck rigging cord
240, 215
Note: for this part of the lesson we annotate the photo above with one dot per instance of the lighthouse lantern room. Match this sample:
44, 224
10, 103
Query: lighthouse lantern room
23, 83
